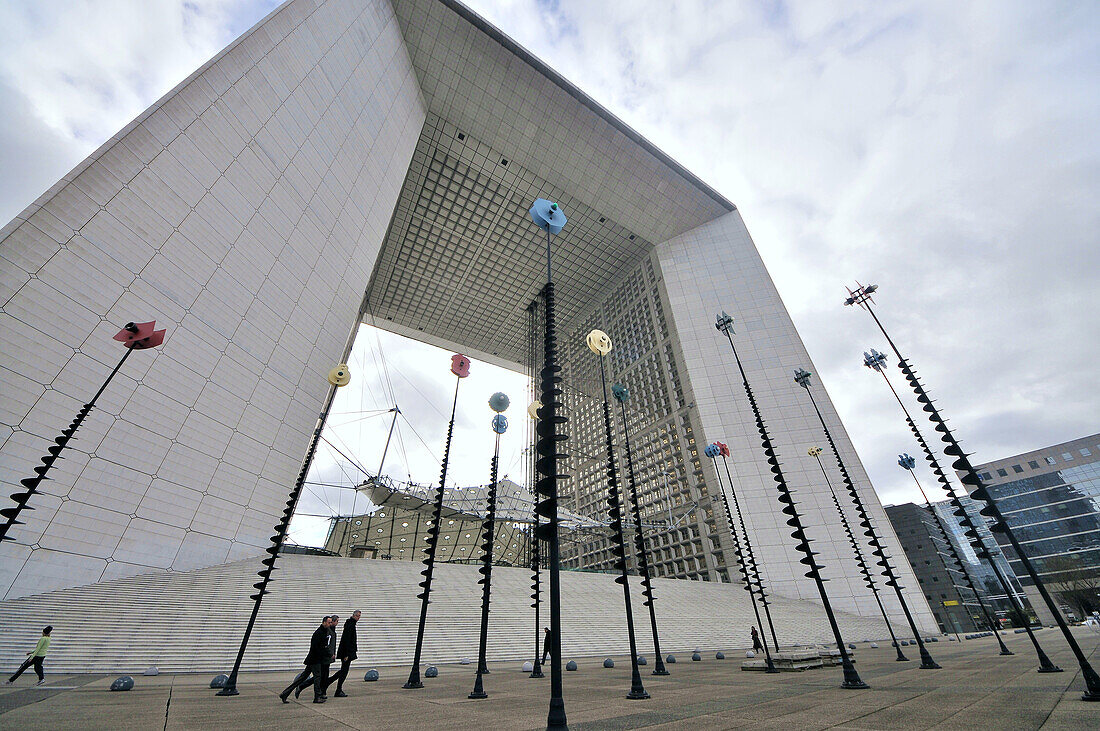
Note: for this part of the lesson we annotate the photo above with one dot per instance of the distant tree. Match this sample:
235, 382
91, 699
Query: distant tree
1075, 582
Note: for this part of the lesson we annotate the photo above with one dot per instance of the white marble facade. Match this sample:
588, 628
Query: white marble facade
243, 212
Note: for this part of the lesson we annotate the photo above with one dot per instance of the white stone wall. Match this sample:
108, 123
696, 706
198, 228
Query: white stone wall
716, 267
243, 212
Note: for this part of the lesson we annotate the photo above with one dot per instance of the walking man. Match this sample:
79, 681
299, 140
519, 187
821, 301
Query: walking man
547, 644
349, 646
322, 648
757, 646
35, 657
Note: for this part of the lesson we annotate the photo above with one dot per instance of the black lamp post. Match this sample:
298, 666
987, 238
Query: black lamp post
864, 569
600, 344
876, 361
550, 218
134, 336
460, 366
802, 378
724, 324
908, 463
337, 377
498, 403
621, 395
752, 584
862, 297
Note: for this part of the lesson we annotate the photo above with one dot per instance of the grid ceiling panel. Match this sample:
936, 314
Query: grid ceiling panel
462, 259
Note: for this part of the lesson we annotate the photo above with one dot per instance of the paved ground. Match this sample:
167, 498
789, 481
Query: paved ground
975, 688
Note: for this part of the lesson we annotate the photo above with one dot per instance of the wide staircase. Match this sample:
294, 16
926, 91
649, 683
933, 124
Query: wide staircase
193, 621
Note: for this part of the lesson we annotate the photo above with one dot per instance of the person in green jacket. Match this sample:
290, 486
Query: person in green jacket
35, 657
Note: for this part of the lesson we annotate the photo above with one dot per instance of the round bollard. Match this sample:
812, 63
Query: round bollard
719, 655
671, 659
609, 663
219, 681
851, 646
151, 670
874, 645
570, 665
371, 676
750, 654
905, 643
431, 672
642, 660
124, 682
696, 657
464, 661
528, 667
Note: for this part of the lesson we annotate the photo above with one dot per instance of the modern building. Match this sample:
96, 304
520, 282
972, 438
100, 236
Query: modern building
373, 161
1051, 499
946, 589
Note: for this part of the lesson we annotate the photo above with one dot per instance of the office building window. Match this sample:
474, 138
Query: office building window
1033, 465
1085, 452
1050, 460
1002, 473
986, 476
1017, 468
1067, 456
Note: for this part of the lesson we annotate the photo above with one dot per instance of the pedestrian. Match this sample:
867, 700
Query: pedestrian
346, 652
316, 662
35, 657
547, 644
757, 646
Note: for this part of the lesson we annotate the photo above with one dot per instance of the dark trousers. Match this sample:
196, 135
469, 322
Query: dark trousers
36, 661
545, 655
341, 674
320, 679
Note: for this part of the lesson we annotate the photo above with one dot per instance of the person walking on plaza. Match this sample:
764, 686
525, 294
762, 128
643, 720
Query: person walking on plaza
35, 657
349, 646
322, 648
757, 646
547, 643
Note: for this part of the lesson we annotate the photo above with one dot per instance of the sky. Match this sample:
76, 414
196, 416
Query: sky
945, 151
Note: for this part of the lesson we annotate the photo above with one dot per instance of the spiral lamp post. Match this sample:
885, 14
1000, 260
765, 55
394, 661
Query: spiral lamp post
802, 378
862, 297
724, 324
908, 463
713, 451
536, 570
600, 344
498, 403
460, 367
338, 377
864, 569
621, 394
550, 218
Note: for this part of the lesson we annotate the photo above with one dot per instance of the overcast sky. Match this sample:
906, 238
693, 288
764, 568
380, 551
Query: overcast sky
945, 151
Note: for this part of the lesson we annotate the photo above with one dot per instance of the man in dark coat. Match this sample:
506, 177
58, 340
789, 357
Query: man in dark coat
322, 650
547, 643
349, 646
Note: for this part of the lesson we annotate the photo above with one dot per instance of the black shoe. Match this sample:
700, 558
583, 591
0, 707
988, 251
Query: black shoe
283, 697
340, 694
322, 699
297, 692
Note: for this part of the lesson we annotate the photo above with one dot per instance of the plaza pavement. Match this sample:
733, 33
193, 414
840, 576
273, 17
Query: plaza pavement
975, 689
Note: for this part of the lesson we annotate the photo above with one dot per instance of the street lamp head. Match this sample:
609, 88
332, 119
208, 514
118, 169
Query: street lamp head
620, 392
874, 360
500, 423
802, 378
712, 450
598, 342
724, 323
814, 451
861, 295
906, 461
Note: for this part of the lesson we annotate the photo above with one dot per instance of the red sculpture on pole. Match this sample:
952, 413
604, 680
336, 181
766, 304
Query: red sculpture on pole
134, 336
